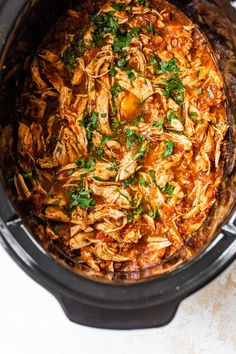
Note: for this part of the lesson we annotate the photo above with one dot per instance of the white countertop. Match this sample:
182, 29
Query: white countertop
32, 322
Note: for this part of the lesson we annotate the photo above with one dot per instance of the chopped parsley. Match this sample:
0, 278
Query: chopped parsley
56, 229
80, 197
143, 182
153, 61
144, 3
113, 71
167, 67
118, 6
132, 137
153, 176
172, 115
116, 89
116, 124
91, 125
104, 23
76, 49
168, 148
154, 214
69, 58
130, 74
113, 167
150, 28
173, 88
158, 123
139, 154
129, 181
168, 189
55, 202
86, 165
123, 40
194, 115
121, 63
104, 140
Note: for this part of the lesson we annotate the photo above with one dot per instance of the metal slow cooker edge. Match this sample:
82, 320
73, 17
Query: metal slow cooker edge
144, 304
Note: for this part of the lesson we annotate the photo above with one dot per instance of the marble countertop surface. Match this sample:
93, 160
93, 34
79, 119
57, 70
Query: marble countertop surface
32, 322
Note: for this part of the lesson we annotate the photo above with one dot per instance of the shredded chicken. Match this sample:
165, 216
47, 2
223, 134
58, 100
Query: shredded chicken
122, 123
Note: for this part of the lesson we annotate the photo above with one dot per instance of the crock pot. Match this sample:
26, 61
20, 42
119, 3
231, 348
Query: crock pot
120, 303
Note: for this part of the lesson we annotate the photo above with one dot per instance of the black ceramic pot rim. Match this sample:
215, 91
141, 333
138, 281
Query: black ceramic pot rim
174, 285
169, 287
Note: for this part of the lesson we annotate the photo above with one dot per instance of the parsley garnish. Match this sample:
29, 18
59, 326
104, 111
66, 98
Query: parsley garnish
168, 67
86, 165
91, 125
153, 176
121, 63
113, 167
150, 28
56, 229
154, 214
112, 71
168, 189
80, 197
118, 6
129, 181
168, 149
153, 61
143, 182
104, 23
194, 115
158, 123
55, 202
173, 115
139, 154
116, 89
173, 88
132, 137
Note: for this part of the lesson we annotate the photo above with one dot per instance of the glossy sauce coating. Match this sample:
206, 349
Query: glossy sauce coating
119, 144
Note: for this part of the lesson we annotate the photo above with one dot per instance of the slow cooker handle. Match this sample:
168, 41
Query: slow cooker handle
148, 317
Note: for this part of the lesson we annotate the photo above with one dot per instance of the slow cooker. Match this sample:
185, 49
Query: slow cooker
122, 302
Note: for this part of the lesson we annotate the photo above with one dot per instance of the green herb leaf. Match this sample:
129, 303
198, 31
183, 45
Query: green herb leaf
173, 88
144, 3
168, 189
121, 63
56, 229
116, 89
153, 176
168, 67
150, 28
80, 197
154, 214
120, 42
168, 149
172, 115
132, 137
129, 181
55, 202
92, 125
118, 6
139, 154
153, 61
113, 71
194, 115
143, 182
113, 167
86, 165
158, 123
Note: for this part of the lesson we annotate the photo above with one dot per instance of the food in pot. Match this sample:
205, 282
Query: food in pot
120, 135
